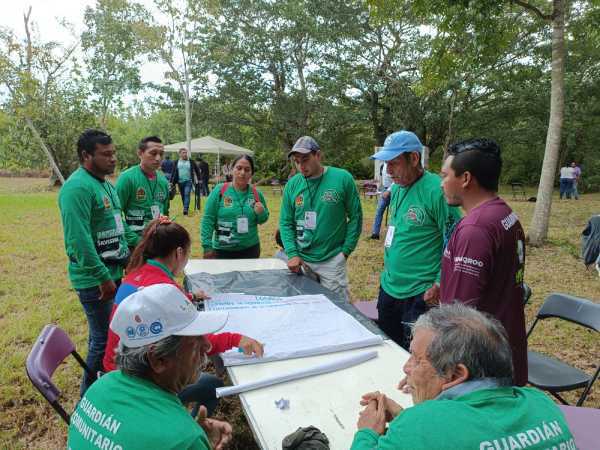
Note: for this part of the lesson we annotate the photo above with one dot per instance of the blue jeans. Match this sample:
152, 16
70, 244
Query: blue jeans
97, 313
566, 187
185, 189
382, 205
203, 392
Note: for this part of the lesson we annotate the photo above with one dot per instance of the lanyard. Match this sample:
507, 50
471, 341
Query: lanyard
152, 191
103, 184
237, 197
313, 193
399, 203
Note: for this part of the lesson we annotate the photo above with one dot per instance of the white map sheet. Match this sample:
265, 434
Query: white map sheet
289, 327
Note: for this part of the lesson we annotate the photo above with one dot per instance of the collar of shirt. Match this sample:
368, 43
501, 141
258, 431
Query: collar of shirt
467, 387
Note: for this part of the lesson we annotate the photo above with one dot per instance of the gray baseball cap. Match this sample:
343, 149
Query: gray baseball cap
304, 145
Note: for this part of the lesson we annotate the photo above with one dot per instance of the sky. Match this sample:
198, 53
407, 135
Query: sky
47, 14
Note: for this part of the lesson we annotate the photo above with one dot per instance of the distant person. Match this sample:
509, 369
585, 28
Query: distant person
459, 375
204, 175
233, 211
96, 237
384, 200
567, 177
185, 176
162, 348
168, 166
143, 189
484, 260
420, 220
577, 176
160, 257
321, 217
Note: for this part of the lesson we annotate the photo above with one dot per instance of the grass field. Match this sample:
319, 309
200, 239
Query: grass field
34, 291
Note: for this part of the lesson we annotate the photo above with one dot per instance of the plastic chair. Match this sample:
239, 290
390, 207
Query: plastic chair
551, 374
51, 348
526, 293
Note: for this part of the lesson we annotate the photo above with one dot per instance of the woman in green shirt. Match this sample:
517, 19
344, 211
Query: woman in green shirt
233, 211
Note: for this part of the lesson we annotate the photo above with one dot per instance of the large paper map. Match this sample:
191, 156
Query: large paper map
289, 327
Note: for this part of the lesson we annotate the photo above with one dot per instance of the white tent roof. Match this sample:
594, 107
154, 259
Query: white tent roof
208, 144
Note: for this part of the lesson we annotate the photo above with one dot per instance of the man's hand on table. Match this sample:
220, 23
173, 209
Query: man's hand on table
107, 290
219, 432
373, 416
251, 346
391, 408
295, 263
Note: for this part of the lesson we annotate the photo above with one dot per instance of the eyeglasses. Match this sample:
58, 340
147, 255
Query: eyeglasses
483, 145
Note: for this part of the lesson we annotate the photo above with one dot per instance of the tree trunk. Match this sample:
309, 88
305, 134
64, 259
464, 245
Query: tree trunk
538, 230
37, 136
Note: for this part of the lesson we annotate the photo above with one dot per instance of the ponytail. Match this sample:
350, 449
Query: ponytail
161, 237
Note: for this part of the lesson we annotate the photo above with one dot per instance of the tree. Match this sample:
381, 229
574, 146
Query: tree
30, 72
112, 52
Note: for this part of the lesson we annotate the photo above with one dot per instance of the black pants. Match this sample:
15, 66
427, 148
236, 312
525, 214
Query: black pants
396, 316
250, 252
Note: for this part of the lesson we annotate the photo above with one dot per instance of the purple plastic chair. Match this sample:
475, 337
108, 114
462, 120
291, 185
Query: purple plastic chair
583, 423
368, 309
51, 348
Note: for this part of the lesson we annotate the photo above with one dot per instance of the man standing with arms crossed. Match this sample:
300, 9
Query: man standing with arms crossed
419, 221
96, 238
484, 261
144, 190
321, 217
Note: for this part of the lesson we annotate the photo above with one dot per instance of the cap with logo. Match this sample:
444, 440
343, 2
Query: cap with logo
305, 144
155, 312
397, 143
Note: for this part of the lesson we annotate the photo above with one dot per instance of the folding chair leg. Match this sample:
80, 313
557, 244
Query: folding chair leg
83, 364
560, 399
588, 388
61, 412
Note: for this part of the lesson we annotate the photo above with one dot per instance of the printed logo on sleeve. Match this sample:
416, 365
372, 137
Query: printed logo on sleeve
227, 201
106, 202
299, 201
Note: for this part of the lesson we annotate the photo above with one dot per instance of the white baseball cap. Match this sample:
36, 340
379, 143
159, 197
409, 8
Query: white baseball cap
155, 312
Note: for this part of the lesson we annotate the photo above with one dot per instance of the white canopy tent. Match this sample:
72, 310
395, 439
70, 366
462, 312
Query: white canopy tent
209, 144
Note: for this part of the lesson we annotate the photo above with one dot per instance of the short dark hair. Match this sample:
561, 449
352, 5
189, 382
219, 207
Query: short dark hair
481, 158
89, 139
247, 158
144, 142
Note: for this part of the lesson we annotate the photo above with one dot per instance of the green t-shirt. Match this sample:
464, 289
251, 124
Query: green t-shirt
142, 199
229, 221
421, 218
487, 419
123, 412
95, 234
320, 217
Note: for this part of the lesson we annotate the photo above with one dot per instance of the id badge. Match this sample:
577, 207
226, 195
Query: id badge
242, 225
155, 211
119, 224
310, 220
389, 236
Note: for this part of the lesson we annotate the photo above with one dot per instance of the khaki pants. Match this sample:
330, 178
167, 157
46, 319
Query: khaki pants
333, 274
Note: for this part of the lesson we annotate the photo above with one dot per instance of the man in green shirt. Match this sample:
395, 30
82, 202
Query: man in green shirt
460, 377
162, 348
419, 221
96, 238
144, 190
321, 217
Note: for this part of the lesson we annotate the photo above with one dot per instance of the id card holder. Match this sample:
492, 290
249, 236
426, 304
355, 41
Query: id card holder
119, 224
389, 236
242, 225
310, 220
155, 210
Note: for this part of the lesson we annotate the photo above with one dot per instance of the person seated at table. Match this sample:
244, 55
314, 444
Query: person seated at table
459, 375
163, 344
233, 211
159, 258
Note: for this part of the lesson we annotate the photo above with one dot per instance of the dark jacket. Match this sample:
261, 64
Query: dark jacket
195, 173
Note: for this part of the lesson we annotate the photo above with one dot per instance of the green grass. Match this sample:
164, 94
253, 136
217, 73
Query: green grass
34, 291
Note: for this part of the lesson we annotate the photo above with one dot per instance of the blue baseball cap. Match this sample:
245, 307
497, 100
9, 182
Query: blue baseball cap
397, 143
305, 144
